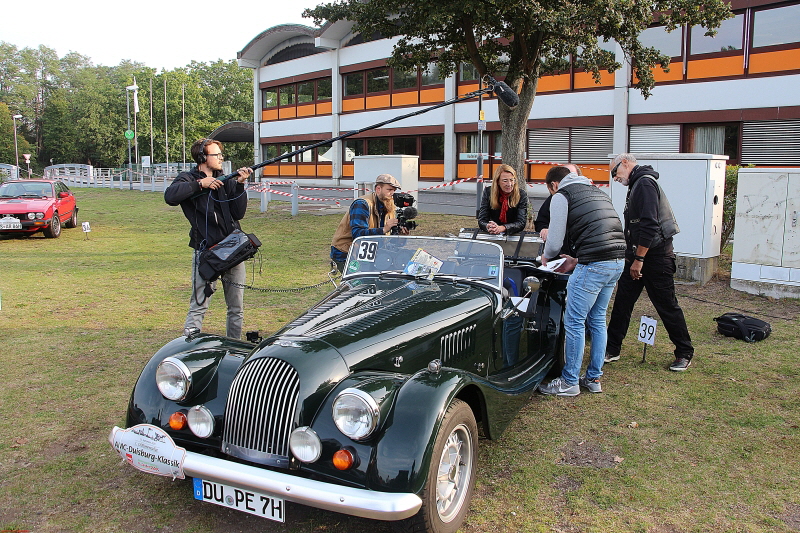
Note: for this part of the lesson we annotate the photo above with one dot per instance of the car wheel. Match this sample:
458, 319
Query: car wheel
54, 230
73, 220
451, 474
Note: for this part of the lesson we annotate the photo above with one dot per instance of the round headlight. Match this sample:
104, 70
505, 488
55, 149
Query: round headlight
173, 379
305, 444
31, 216
355, 413
40, 216
201, 421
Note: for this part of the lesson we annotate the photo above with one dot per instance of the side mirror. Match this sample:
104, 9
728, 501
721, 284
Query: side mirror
531, 284
63, 194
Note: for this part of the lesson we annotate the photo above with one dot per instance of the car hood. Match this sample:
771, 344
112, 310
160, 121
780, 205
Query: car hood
369, 322
17, 205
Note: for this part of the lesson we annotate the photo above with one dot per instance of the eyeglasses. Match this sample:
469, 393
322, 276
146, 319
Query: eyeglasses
614, 170
218, 156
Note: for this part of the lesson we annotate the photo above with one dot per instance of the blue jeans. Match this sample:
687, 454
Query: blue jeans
589, 290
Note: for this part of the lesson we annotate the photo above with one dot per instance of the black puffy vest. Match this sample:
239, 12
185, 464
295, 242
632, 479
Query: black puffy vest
593, 227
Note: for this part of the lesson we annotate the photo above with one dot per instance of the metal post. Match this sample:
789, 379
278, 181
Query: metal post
166, 133
295, 193
128, 102
16, 150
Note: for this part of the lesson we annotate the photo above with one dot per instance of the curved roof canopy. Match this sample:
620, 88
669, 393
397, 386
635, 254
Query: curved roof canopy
234, 132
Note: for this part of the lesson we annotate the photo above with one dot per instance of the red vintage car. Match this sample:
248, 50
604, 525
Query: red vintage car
28, 206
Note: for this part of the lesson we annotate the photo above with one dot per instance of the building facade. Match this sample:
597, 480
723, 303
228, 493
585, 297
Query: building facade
736, 94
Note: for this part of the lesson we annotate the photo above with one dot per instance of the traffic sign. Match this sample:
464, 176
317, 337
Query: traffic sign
129, 134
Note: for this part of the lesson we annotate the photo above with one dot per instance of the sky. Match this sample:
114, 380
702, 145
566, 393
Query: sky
161, 34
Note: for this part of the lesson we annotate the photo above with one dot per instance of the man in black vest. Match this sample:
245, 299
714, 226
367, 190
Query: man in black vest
649, 260
213, 217
585, 216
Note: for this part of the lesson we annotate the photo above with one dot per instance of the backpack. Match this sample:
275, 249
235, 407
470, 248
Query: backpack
743, 327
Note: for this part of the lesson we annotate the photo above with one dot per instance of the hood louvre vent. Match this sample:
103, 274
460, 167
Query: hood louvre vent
458, 344
327, 306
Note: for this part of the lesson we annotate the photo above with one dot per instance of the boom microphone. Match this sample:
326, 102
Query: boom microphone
504, 92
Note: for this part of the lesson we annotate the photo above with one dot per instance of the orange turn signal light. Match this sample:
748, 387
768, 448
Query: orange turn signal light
177, 420
343, 459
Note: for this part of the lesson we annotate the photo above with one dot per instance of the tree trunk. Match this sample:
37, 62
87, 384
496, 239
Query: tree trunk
514, 123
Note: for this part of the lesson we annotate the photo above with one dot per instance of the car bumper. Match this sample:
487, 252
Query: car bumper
348, 500
30, 226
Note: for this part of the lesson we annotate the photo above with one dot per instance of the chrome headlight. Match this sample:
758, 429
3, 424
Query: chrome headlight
305, 444
31, 216
39, 216
173, 379
355, 413
201, 421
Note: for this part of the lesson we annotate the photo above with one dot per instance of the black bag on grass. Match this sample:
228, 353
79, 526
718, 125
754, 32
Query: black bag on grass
743, 327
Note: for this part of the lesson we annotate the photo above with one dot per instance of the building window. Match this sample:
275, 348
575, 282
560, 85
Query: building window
776, 26
722, 139
404, 145
286, 95
468, 146
324, 90
729, 37
353, 84
403, 80
352, 148
658, 37
468, 72
270, 98
378, 80
431, 75
305, 92
378, 146
432, 147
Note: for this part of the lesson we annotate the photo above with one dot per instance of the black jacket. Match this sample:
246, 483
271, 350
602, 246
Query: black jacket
642, 202
517, 215
213, 215
593, 226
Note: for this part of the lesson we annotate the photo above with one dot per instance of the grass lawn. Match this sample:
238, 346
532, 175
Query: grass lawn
716, 448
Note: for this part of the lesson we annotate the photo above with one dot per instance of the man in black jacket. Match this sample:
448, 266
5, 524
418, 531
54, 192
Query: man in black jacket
649, 260
213, 216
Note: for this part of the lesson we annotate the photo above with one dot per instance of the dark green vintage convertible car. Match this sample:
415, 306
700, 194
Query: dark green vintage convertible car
371, 402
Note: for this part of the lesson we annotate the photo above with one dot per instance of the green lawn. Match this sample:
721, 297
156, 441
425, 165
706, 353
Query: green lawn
712, 449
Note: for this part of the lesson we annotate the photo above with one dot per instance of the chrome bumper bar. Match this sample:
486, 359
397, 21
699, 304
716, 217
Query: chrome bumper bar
348, 500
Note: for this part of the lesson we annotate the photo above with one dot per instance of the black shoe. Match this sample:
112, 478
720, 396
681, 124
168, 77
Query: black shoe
680, 364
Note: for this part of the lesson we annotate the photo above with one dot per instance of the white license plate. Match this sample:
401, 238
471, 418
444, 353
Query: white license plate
10, 223
248, 501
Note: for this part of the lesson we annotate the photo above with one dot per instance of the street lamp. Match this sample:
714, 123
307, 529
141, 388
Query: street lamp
16, 151
133, 88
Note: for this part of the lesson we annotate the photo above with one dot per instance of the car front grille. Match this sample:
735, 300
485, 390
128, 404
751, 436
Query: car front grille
259, 416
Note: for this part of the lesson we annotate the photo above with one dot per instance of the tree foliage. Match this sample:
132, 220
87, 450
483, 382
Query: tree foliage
522, 39
76, 112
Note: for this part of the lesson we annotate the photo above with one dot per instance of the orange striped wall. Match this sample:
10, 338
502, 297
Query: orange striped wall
427, 96
584, 80
408, 98
716, 67
378, 102
431, 170
324, 108
558, 82
353, 104
775, 61
269, 114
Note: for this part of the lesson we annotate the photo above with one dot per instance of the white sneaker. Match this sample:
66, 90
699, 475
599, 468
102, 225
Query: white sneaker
558, 387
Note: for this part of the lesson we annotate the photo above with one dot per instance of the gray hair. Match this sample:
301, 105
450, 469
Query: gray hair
623, 157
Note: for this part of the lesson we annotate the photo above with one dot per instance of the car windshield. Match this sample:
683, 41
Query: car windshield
426, 258
30, 189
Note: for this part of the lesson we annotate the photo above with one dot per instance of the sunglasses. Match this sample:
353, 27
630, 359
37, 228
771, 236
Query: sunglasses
614, 170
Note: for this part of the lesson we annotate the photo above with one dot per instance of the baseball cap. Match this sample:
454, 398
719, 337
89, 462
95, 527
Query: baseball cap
388, 179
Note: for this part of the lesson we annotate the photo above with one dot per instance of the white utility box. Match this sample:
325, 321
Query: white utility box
695, 187
403, 167
766, 246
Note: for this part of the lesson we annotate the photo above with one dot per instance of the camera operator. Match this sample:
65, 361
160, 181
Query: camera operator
371, 214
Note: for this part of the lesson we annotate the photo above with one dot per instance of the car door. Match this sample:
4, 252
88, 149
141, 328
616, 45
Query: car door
66, 205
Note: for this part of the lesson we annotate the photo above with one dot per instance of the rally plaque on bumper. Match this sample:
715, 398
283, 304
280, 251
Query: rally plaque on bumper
248, 501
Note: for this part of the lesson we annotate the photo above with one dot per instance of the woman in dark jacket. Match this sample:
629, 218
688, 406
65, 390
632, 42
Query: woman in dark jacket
504, 209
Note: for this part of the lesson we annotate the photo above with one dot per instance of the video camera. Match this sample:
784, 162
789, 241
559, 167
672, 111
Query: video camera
405, 212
